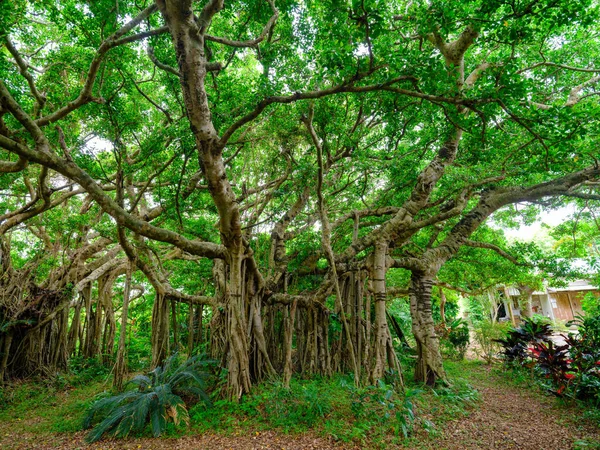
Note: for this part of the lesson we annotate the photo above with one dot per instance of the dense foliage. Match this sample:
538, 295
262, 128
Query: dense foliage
261, 180
569, 368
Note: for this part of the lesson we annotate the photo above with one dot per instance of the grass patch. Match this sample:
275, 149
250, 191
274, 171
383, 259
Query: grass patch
52, 405
371, 416
43, 409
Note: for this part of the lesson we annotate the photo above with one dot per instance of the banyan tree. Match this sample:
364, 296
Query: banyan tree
265, 165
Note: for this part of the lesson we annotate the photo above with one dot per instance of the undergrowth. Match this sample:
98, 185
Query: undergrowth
522, 377
371, 416
374, 416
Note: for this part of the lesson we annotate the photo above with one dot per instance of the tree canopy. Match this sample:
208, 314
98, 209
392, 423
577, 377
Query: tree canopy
273, 161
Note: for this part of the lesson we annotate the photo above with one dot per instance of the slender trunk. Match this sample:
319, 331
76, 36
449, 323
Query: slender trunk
110, 322
86, 293
5, 353
442, 306
95, 329
326, 242
527, 293
190, 338
199, 324
368, 326
289, 335
429, 368
509, 305
160, 329
174, 325
259, 337
493, 307
529, 305
358, 296
121, 364
59, 331
74, 330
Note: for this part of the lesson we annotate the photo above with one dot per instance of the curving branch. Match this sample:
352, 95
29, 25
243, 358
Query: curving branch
43, 156
560, 66
116, 39
495, 248
12, 167
23, 66
345, 88
574, 95
211, 9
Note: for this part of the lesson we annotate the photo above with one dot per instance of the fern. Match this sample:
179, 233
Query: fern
157, 400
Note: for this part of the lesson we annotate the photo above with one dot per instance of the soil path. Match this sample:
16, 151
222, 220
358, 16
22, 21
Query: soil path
513, 417
507, 417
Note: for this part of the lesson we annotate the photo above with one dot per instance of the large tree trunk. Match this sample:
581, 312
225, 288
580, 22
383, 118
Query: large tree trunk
188, 41
381, 326
429, 368
239, 361
527, 301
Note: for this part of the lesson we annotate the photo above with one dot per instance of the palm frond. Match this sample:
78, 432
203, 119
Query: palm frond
156, 400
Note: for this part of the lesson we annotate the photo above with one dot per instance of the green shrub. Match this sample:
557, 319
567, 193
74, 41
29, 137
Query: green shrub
455, 338
332, 406
157, 399
590, 305
85, 370
569, 370
486, 334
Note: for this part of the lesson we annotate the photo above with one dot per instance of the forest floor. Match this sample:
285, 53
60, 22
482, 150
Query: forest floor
510, 413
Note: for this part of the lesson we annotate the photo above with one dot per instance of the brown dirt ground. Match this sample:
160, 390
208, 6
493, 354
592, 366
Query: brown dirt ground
507, 417
510, 417
258, 440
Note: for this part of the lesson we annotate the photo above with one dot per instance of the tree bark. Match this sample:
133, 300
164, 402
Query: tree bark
289, 335
160, 329
121, 363
174, 325
239, 362
442, 306
381, 326
509, 305
5, 353
429, 368
190, 337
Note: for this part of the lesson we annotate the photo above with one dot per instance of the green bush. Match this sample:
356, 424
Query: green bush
455, 338
486, 334
157, 399
590, 305
568, 370
333, 406
85, 370
518, 340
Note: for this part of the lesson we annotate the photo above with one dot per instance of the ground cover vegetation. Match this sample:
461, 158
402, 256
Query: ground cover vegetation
296, 190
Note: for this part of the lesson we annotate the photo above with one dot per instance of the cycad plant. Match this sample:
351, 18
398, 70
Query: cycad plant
157, 399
